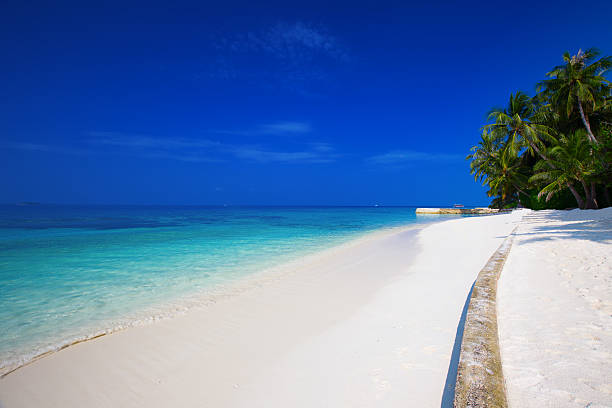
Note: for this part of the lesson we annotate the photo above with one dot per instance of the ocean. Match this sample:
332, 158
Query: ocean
68, 273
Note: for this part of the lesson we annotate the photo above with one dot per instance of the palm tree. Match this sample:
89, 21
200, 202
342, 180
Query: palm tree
603, 164
563, 134
573, 163
579, 83
517, 125
507, 177
498, 166
483, 155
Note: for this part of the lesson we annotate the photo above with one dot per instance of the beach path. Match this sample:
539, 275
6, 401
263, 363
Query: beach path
369, 324
555, 311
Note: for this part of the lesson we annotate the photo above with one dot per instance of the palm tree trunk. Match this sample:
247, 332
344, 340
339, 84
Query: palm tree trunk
579, 199
542, 155
520, 191
594, 195
585, 121
587, 194
588, 202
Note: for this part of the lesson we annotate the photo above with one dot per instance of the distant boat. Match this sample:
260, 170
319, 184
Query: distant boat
458, 205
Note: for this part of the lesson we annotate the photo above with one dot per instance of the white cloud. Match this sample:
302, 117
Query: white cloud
273, 129
297, 41
293, 56
280, 128
205, 150
45, 148
410, 156
195, 150
286, 41
139, 141
321, 147
268, 156
190, 158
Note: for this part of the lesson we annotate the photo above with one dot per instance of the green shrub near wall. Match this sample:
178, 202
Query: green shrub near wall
560, 201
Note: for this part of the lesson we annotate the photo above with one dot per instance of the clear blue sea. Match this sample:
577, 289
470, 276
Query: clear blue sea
69, 272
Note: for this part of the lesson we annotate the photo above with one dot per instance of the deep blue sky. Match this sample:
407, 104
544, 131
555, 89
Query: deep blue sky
231, 103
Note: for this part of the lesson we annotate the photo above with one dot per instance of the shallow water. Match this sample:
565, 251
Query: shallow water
69, 272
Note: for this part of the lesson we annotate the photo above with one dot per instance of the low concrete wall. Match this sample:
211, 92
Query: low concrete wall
481, 210
480, 381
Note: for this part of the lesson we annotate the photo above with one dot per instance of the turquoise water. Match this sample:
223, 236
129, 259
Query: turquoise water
70, 272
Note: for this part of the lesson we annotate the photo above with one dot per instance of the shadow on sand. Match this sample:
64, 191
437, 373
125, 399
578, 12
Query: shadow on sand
581, 225
448, 396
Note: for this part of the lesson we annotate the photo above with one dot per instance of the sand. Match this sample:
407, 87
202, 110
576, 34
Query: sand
555, 311
367, 324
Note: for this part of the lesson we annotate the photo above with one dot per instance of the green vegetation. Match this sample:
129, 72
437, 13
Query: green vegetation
552, 150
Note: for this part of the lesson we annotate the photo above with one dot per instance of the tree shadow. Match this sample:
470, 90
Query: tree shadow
578, 224
448, 396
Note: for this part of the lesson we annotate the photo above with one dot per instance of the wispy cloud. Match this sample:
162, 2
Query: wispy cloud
189, 158
45, 148
206, 150
139, 146
268, 156
296, 41
321, 147
291, 55
140, 141
272, 129
196, 150
180, 149
281, 128
397, 157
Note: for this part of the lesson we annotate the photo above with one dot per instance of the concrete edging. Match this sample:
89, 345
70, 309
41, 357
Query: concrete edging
480, 381
458, 211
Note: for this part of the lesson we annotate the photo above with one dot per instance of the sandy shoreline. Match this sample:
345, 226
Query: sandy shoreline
210, 295
372, 324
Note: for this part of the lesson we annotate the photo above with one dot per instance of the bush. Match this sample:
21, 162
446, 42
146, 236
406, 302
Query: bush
559, 201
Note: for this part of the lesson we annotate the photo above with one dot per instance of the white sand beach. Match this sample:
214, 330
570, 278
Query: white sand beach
368, 324
555, 311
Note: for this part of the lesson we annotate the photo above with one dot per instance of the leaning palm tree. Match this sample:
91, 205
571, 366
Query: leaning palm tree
572, 164
578, 84
518, 126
